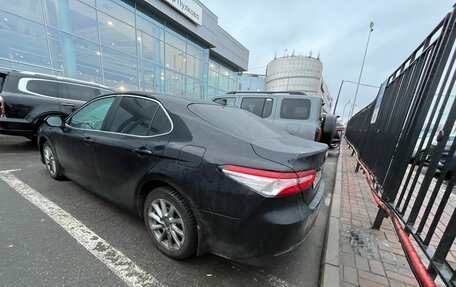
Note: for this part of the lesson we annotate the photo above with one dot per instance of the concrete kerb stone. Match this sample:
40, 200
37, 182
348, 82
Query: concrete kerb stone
330, 265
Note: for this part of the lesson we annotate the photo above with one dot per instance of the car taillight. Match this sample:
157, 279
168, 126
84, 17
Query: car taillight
2, 109
318, 135
270, 183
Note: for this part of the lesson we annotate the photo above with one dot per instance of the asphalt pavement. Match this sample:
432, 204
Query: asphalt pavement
37, 249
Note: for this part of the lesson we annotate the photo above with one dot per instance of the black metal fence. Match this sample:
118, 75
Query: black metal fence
405, 138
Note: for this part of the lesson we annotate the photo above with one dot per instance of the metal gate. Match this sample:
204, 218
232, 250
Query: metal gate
405, 138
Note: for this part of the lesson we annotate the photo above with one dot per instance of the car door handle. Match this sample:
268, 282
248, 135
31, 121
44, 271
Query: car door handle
88, 140
143, 151
68, 105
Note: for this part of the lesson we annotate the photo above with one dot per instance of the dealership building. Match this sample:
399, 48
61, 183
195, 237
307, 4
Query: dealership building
164, 46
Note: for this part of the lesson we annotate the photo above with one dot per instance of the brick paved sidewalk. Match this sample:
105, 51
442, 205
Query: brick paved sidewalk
367, 257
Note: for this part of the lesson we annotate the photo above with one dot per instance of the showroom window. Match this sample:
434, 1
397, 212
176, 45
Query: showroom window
73, 17
115, 61
150, 48
29, 9
116, 34
119, 10
152, 77
23, 41
76, 57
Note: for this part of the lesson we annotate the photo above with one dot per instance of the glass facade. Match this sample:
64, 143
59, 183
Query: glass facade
112, 42
221, 78
252, 82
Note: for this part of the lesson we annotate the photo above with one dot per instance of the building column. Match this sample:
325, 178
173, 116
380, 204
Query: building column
68, 51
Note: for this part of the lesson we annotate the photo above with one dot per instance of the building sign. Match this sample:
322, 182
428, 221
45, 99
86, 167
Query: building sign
188, 8
378, 102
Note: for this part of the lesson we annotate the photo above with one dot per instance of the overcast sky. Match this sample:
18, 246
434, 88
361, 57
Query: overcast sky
335, 29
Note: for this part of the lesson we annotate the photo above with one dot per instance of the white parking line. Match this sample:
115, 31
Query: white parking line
277, 282
328, 199
115, 260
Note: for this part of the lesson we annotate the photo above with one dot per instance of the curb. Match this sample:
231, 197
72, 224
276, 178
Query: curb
330, 264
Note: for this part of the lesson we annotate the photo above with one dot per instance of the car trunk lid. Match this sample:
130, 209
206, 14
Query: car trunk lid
295, 153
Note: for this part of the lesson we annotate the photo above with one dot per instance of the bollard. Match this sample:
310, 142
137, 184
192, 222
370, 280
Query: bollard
357, 167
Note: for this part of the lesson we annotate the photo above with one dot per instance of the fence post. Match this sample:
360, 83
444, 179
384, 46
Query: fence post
379, 219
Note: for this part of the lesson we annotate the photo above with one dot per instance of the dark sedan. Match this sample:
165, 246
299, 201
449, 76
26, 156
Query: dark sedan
205, 178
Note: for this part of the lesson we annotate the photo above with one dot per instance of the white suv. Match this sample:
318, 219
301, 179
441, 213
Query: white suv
296, 112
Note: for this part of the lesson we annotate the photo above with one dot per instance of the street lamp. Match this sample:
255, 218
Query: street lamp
343, 112
338, 94
371, 28
350, 82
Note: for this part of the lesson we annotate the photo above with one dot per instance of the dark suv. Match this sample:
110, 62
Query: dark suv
26, 99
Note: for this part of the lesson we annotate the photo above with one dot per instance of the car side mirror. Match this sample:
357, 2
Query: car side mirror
222, 102
55, 121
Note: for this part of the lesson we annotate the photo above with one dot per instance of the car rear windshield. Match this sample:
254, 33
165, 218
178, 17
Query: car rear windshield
237, 122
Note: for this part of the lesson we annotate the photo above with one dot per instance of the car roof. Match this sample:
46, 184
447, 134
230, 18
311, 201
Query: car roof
266, 92
53, 77
164, 98
288, 94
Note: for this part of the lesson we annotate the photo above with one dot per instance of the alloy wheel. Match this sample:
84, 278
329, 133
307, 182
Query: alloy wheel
49, 160
166, 224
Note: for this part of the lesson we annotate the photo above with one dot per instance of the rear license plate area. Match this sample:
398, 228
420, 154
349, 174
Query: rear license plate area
317, 179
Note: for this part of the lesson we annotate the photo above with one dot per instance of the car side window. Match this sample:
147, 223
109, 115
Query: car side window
267, 109
161, 123
261, 107
79, 92
91, 116
140, 117
295, 109
45, 88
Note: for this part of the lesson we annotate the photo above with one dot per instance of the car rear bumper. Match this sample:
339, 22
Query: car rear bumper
276, 227
16, 128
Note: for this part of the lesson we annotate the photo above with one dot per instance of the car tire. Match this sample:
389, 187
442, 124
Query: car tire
50, 160
328, 129
170, 222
